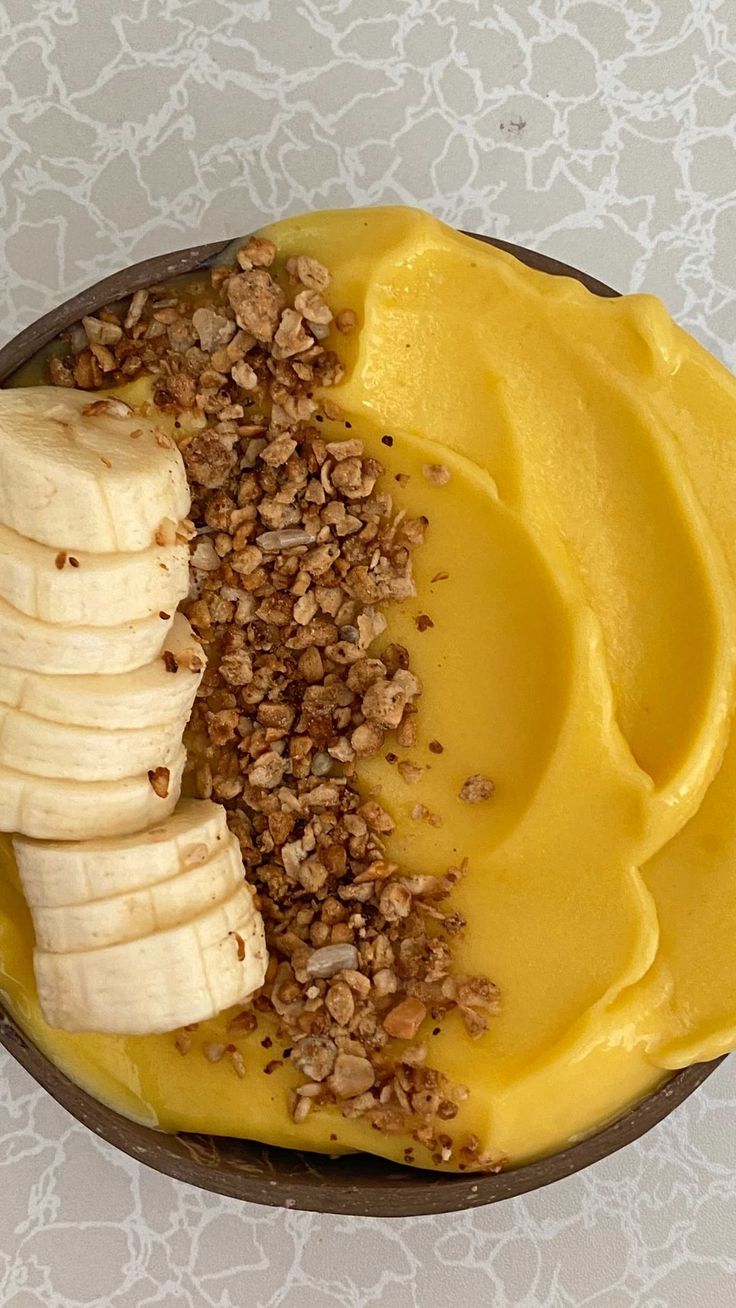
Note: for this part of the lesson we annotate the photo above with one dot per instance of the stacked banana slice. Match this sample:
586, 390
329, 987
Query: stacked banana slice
144, 933
135, 933
86, 592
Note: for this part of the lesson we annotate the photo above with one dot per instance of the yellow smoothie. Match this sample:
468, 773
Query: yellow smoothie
578, 571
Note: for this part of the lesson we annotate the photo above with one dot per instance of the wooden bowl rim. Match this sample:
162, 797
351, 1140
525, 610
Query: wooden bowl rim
356, 1184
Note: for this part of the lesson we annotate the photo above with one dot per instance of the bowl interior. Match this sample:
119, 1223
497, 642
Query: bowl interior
355, 1184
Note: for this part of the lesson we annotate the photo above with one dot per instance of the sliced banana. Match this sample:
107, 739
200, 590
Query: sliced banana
44, 647
130, 700
183, 896
70, 753
52, 809
139, 932
65, 872
74, 476
165, 980
99, 590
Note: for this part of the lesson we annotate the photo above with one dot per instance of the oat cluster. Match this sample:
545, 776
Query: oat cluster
298, 550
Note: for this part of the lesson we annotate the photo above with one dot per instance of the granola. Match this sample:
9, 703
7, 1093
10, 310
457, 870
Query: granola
477, 789
296, 550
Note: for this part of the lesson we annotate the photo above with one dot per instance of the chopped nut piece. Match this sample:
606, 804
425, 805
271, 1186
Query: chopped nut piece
59, 373
238, 1062
409, 772
367, 739
315, 1057
309, 272
204, 556
237, 668
406, 732
190, 659
346, 321
404, 1020
301, 1109
246, 560
165, 533
213, 329
291, 336
104, 356
384, 702
352, 1076
371, 624
395, 901
278, 451
209, 459
305, 608
385, 982
364, 673
311, 666
267, 771
257, 301
410, 684
340, 1003
213, 1052
244, 1022
478, 991
476, 789
312, 875
244, 376
312, 307
137, 305
475, 1024
102, 333
437, 474
87, 371
376, 817
159, 779
341, 450
259, 252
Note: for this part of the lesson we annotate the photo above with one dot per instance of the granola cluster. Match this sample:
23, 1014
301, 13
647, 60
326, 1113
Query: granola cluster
298, 549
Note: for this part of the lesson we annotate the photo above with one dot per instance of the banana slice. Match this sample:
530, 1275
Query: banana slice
44, 647
102, 590
70, 753
165, 980
129, 700
52, 809
185, 895
75, 476
66, 873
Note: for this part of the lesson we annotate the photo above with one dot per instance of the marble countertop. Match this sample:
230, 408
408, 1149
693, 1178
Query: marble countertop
599, 131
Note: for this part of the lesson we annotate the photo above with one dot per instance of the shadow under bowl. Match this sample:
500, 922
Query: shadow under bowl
356, 1184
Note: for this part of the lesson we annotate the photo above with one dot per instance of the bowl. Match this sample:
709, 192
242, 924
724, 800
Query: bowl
356, 1184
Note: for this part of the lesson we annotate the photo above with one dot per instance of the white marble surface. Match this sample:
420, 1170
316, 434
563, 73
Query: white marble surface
600, 131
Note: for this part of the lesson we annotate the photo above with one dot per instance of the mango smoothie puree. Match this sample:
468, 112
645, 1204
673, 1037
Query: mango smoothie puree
573, 630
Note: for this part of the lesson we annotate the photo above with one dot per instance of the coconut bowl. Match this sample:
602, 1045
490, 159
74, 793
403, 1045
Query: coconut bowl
356, 1184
